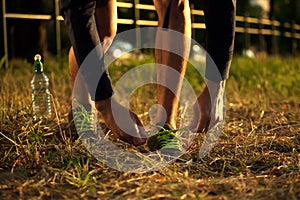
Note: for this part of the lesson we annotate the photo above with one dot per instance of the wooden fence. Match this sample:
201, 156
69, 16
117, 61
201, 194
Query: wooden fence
247, 26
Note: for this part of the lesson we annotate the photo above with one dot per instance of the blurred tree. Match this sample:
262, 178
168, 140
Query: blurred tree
271, 13
1, 36
285, 10
26, 37
242, 7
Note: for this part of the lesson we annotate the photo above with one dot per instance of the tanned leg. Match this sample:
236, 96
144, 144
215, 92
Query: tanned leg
208, 110
179, 21
220, 26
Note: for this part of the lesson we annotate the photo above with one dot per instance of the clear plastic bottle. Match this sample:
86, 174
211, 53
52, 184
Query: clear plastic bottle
41, 101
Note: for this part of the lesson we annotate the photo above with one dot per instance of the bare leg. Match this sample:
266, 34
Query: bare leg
179, 21
208, 110
220, 25
107, 23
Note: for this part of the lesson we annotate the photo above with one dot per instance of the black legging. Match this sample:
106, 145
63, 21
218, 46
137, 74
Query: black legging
220, 25
82, 30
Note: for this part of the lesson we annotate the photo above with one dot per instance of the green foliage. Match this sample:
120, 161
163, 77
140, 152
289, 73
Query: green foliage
286, 10
2, 62
275, 77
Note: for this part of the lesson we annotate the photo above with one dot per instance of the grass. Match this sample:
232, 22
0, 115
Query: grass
256, 157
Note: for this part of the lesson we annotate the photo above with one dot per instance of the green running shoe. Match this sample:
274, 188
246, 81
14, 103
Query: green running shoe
165, 140
84, 119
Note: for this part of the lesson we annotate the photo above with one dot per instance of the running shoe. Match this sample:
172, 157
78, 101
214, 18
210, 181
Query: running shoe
83, 120
165, 140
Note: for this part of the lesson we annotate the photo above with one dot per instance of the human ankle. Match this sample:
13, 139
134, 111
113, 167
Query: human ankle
214, 84
215, 88
103, 105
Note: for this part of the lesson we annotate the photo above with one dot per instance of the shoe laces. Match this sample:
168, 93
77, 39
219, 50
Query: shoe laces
84, 118
167, 139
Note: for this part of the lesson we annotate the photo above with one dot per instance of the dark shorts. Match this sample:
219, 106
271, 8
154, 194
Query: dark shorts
101, 3
69, 3
81, 26
220, 28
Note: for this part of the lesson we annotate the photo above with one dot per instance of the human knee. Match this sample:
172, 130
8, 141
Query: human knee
109, 34
179, 10
72, 58
106, 19
161, 7
181, 7
176, 5
161, 3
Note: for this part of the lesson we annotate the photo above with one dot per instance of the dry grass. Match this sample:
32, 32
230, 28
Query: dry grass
256, 157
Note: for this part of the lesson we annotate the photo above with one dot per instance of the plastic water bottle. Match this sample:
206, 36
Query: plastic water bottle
41, 101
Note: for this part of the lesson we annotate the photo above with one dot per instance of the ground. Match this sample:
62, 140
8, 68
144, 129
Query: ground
256, 157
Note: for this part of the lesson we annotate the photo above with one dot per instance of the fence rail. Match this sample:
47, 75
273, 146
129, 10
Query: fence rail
263, 26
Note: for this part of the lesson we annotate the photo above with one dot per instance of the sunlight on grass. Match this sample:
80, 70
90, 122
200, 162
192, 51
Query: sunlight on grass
257, 155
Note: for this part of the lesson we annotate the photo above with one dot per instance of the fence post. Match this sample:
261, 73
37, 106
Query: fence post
137, 17
260, 35
247, 36
5, 34
273, 37
293, 38
192, 6
282, 41
57, 28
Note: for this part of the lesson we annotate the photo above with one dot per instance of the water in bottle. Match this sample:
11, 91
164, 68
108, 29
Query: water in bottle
41, 101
